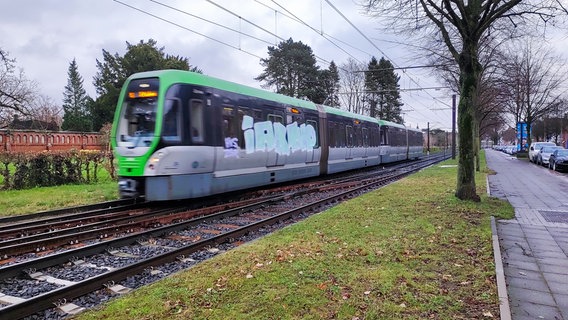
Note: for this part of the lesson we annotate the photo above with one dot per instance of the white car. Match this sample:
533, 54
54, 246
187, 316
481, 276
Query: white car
544, 154
535, 149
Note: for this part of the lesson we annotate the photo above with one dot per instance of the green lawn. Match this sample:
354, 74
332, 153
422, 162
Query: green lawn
14, 202
408, 251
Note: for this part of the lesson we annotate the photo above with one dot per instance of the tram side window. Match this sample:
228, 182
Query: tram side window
240, 132
341, 134
275, 118
196, 117
257, 115
349, 135
314, 125
384, 136
393, 137
365, 137
416, 138
376, 137
228, 122
358, 137
400, 137
291, 118
171, 131
332, 142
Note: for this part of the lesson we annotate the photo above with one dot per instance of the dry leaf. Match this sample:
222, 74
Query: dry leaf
487, 314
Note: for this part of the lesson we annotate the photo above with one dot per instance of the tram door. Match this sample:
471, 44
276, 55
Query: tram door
312, 153
275, 158
365, 137
349, 132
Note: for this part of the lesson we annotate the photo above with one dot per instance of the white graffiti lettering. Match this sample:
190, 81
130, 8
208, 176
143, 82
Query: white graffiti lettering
231, 147
268, 136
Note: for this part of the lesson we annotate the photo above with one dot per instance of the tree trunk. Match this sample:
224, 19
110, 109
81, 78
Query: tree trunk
469, 75
477, 145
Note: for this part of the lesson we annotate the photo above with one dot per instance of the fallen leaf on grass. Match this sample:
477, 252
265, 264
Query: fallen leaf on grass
487, 314
322, 286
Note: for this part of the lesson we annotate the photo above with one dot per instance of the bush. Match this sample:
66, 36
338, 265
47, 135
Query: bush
23, 170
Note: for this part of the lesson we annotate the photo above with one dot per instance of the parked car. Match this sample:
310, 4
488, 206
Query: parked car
544, 154
558, 160
534, 149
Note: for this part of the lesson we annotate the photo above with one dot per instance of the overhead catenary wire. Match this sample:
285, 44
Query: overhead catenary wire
259, 27
314, 29
255, 38
211, 22
371, 42
244, 19
292, 16
185, 28
295, 18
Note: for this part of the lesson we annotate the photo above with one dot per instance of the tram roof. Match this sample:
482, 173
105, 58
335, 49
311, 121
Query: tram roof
181, 76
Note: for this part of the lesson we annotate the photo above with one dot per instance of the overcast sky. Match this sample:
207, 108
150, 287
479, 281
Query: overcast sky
45, 36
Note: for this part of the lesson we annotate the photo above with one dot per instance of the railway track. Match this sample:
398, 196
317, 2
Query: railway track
159, 242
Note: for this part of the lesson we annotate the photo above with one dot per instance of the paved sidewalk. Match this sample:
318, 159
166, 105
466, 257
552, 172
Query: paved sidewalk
534, 245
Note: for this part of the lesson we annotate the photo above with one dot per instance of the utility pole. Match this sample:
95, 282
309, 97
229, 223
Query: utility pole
453, 126
428, 139
446, 149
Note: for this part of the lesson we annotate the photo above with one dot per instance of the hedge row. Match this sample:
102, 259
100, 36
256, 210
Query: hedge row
23, 170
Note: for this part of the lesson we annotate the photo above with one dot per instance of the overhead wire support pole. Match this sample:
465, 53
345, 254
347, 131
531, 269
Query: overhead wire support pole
453, 126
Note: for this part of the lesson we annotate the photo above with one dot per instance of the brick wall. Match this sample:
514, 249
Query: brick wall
29, 140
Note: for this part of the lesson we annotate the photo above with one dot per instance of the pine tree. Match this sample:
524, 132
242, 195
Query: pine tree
389, 103
372, 86
383, 91
76, 102
330, 85
291, 68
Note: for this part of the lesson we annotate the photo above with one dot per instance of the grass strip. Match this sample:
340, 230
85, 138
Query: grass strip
410, 250
18, 202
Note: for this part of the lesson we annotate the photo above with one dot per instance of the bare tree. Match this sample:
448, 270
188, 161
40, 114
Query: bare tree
534, 78
44, 109
16, 92
352, 81
489, 113
461, 25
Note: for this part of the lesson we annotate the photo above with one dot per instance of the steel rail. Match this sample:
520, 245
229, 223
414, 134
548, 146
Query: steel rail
71, 210
64, 257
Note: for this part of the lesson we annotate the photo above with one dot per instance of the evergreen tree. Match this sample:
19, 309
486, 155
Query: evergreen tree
76, 115
291, 68
114, 69
389, 104
372, 86
383, 91
329, 81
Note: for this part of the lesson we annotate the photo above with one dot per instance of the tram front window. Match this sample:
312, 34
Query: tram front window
140, 120
138, 115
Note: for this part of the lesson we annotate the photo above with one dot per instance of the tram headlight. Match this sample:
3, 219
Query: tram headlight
154, 160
